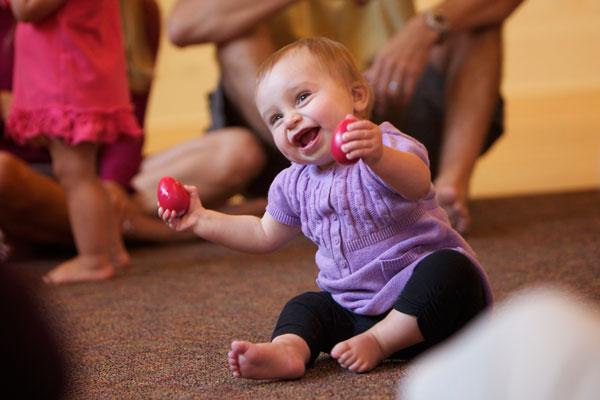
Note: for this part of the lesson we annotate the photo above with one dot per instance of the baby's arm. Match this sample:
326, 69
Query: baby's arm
240, 232
404, 172
34, 10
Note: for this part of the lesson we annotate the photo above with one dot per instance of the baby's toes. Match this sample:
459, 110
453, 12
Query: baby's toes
347, 359
358, 366
339, 349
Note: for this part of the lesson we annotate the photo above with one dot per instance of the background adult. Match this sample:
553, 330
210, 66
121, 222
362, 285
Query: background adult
436, 74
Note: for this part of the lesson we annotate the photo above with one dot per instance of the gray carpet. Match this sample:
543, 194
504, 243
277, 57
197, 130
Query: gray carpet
162, 328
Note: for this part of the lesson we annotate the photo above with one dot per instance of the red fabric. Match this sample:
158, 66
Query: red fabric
70, 76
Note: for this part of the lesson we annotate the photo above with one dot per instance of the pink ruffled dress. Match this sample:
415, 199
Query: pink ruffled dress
70, 78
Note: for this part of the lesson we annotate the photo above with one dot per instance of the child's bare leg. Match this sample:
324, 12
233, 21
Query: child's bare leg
364, 352
118, 201
118, 253
89, 213
285, 358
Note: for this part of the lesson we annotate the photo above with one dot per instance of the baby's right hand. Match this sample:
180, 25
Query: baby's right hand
187, 220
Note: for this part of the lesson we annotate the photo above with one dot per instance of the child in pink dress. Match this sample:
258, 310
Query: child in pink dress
70, 93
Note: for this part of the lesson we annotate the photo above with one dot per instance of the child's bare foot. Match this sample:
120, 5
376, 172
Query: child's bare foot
456, 206
367, 350
360, 353
80, 269
265, 360
120, 258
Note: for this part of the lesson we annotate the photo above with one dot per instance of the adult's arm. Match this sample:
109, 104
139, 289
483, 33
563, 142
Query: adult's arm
400, 63
34, 10
473, 14
152, 26
217, 21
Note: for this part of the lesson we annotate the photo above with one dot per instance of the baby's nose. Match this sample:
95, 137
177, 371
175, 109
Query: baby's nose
293, 120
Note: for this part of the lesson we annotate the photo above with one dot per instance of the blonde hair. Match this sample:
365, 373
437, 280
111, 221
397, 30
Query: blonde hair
333, 56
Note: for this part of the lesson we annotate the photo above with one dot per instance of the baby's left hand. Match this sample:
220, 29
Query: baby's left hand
187, 220
363, 140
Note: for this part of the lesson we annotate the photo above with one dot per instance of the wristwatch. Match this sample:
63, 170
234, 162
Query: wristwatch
437, 22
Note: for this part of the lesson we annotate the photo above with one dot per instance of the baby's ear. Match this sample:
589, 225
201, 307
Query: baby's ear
361, 96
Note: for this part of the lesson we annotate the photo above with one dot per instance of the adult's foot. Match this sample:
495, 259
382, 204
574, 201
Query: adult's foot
455, 202
265, 360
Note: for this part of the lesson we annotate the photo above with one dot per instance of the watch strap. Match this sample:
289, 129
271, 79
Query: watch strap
437, 22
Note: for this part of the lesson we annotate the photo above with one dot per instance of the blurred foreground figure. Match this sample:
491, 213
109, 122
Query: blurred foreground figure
32, 359
541, 344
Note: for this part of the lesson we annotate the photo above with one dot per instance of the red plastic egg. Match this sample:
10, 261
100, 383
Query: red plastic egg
336, 143
173, 196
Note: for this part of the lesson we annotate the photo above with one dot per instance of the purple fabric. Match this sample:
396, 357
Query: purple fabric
369, 238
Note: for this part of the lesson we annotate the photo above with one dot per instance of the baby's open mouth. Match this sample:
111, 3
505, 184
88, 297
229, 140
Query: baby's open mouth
305, 137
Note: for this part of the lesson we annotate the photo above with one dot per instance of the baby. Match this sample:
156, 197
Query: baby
396, 279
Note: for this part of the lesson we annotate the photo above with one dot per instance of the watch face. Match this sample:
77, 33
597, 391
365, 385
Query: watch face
437, 22
439, 19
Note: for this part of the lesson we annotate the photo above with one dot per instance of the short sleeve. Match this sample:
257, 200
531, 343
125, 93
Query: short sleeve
395, 139
280, 199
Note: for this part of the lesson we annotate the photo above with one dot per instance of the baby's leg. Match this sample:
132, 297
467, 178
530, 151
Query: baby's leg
89, 213
365, 351
445, 291
309, 323
284, 358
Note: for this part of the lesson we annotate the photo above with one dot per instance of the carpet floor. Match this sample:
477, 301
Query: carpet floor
162, 328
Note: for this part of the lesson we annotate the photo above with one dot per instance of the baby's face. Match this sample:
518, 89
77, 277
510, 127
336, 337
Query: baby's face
302, 103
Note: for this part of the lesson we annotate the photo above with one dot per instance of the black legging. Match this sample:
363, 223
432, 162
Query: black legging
444, 292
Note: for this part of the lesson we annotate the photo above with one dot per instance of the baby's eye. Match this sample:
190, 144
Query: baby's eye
301, 97
274, 118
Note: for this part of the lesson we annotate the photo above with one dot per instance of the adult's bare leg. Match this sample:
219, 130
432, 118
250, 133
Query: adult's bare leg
135, 224
239, 61
473, 84
220, 164
33, 206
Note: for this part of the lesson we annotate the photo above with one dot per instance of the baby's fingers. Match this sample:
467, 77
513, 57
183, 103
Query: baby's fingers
166, 215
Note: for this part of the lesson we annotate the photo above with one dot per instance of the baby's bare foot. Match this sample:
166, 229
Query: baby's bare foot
80, 269
360, 353
264, 361
456, 207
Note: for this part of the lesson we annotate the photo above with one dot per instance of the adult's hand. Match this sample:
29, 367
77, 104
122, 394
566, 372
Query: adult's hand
400, 63
218, 21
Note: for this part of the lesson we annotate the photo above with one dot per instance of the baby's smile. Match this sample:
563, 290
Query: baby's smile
305, 137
